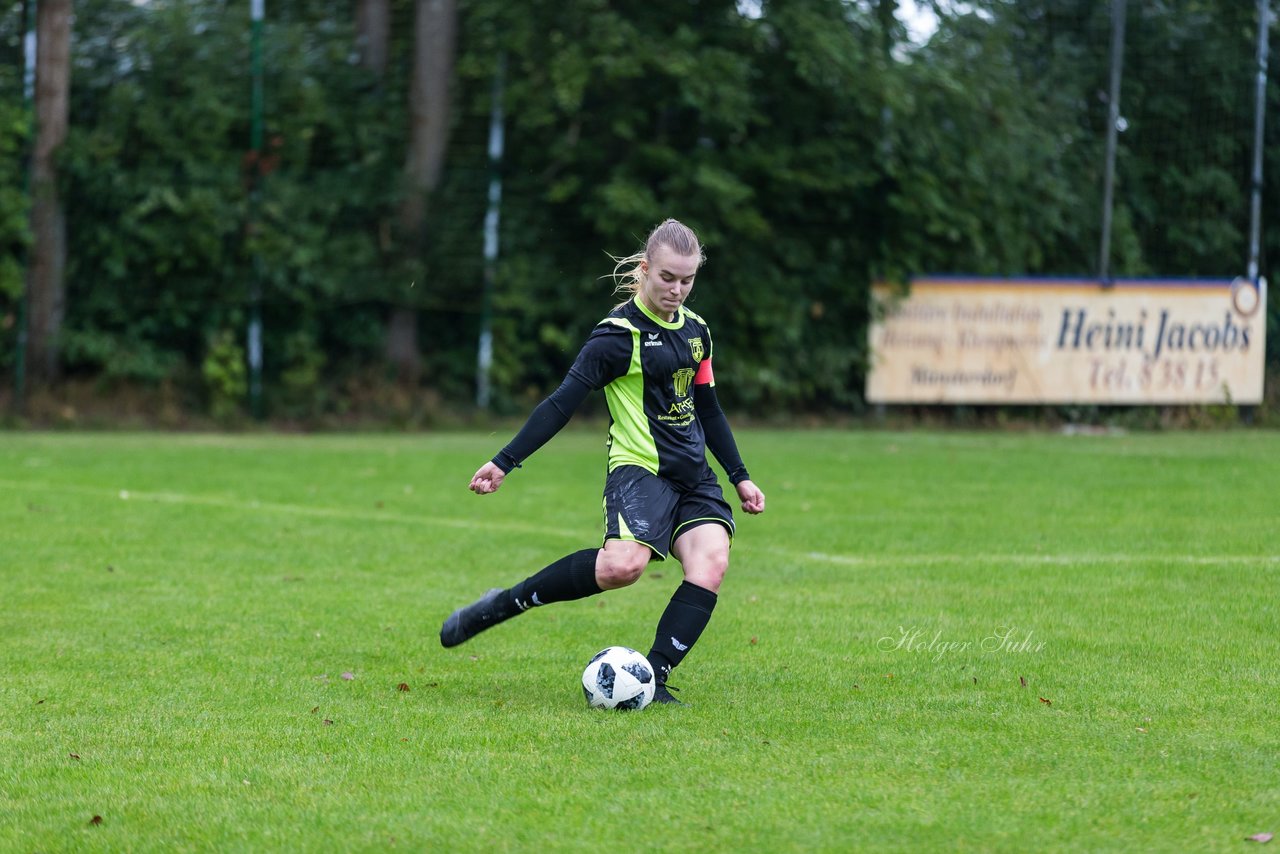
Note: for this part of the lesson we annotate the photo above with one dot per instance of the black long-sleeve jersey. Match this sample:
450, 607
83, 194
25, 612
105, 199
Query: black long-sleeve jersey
659, 385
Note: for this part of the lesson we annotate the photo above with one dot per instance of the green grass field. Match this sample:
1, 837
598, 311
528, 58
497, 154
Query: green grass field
181, 615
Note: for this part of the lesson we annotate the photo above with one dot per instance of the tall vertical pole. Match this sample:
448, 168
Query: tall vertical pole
1113, 128
1259, 112
254, 343
29, 47
484, 358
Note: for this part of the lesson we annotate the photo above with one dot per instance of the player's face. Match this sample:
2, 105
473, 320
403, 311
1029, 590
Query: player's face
668, 278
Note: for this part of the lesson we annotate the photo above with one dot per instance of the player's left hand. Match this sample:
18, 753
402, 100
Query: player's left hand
752, 497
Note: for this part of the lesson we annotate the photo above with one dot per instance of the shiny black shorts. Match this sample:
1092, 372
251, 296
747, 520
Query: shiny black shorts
645, 508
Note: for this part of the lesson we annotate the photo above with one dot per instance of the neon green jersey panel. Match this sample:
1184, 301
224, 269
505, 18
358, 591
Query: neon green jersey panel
630, 442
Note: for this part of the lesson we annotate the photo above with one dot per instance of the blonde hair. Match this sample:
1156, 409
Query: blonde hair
628, 275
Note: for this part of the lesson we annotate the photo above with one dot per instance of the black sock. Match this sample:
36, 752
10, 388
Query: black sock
571, 577
680, 626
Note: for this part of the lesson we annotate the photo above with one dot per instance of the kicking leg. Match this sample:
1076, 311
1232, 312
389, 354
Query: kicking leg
704, 553
576, 576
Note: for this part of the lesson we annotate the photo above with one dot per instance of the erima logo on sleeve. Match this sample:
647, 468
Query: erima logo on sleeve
653, 340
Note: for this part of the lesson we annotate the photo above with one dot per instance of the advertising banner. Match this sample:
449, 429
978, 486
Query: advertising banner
986, 340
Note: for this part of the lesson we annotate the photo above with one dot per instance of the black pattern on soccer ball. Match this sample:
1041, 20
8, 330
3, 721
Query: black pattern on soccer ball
643, 674
629, 705
604, 680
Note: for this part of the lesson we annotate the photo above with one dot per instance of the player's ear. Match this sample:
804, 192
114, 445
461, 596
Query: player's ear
644, 267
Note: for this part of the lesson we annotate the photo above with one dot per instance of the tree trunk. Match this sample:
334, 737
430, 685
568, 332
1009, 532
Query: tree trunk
46, 287
435, 28
373, 33
435, 25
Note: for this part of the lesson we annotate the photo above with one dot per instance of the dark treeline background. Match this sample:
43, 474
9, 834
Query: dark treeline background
810, 142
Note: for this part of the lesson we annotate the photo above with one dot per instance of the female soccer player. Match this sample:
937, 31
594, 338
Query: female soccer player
652, 357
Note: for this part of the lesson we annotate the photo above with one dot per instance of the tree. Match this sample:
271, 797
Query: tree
373, 33
435, 27
46, 286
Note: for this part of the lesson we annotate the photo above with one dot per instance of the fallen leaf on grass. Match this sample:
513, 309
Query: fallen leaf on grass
403, 686
74, 755
754, 640
97, 819
314, 710
348, 675
1046, 702
1258, 837
1023, 680
1141, 729
328, 722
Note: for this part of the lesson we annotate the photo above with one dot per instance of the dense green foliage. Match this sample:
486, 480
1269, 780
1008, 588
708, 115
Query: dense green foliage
179, 612
14, 132
812, 146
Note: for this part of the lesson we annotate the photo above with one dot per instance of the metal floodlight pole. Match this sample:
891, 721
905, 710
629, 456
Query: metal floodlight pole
1113, 128
29, 47
254, 343
484, 356
1259, 113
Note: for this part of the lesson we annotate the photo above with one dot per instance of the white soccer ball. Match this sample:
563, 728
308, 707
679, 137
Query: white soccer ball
618, 678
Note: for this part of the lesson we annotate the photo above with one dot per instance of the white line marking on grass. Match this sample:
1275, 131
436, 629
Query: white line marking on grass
914, 560
427, 518
1022, 559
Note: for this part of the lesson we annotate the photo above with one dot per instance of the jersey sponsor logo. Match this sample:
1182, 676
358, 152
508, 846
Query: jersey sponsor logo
695, 345
681, 380
681, 410
653, 340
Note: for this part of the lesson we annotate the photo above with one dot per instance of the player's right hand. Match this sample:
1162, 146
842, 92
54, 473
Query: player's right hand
487, 479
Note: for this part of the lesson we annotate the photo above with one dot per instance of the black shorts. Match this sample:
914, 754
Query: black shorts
645, 508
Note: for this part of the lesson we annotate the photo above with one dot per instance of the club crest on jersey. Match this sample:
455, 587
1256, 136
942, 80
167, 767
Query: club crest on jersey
695, 345
681, 380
